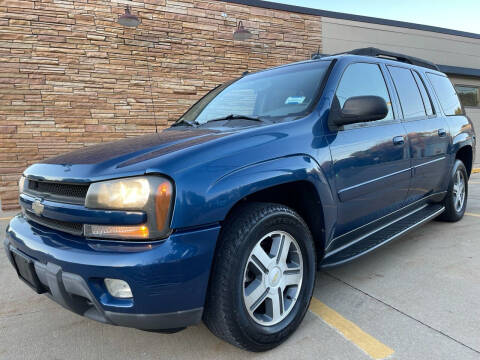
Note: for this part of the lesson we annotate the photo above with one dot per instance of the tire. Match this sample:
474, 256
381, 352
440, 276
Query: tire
252, 228
454, 211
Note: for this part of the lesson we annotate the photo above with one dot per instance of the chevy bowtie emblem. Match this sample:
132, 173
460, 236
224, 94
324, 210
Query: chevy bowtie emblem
37, 207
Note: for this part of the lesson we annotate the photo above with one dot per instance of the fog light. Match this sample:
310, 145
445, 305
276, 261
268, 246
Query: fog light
118, 288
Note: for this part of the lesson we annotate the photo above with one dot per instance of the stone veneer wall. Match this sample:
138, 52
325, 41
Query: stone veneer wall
70, 76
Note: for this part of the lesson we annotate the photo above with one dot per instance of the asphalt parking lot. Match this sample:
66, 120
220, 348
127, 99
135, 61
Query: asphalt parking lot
417, 298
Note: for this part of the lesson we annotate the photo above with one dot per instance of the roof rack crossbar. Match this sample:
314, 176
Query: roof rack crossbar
374, 52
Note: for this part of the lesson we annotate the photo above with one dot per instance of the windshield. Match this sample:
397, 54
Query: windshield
290, 91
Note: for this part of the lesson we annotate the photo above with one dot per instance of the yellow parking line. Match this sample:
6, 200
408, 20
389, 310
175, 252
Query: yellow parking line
475, 171
472, 214
5, 218
352, 332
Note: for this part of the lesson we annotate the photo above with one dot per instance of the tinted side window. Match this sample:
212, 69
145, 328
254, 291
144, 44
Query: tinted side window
446, 94
362, 79
407, 89
426, 99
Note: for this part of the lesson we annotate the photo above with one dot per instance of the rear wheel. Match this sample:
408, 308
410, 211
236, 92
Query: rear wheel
456, 200
263, 277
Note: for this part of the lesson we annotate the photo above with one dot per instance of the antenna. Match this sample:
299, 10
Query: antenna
151, 91
317, 55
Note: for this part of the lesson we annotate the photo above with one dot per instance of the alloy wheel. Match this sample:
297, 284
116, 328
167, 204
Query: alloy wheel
272, 278
459, 190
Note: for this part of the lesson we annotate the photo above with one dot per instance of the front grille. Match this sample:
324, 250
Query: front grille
57, 191
68, 227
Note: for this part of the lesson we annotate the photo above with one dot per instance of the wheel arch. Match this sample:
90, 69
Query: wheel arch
465, 154
297, 182
302, 197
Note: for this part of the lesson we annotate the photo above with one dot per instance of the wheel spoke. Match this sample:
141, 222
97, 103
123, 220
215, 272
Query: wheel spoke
459, 203
275, 307
283, 251
277, 244
455, 188
260, 258
291, 277
255, 293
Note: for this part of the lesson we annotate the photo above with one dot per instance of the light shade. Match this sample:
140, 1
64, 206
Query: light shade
241, 33
128, 19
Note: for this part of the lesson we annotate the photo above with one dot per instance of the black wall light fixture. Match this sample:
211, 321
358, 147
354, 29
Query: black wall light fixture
241, 33
128, 19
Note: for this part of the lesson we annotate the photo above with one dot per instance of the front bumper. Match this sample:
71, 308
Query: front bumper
168, 279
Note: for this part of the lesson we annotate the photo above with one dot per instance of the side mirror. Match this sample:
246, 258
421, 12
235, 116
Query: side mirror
361, 109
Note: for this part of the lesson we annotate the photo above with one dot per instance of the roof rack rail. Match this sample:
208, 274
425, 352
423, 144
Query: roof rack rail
371, 51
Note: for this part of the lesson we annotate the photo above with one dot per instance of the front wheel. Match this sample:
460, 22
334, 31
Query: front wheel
262, 278
456, 200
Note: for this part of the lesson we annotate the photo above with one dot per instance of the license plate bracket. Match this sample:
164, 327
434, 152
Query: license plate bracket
26, 271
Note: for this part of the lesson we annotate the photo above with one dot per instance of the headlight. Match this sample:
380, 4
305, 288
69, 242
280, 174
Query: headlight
21, 184
124, 194
152, 194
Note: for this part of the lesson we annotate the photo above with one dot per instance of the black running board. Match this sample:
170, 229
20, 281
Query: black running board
382, 236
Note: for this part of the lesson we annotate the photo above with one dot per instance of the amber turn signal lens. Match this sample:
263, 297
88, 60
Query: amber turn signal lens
117, 231
162, 204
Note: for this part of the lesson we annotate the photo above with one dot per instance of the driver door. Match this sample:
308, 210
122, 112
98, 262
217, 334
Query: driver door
371, 159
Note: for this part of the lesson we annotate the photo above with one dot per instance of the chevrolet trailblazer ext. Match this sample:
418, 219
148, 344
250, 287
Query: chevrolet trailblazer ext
226, 216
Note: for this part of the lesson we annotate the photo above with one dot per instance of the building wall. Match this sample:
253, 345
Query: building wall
71, 76
341, 35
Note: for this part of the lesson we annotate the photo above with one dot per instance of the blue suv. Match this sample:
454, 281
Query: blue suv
227, 215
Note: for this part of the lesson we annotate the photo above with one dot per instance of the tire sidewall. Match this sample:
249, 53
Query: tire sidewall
279, 221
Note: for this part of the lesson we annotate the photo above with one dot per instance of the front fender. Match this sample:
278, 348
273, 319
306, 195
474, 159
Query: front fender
220, 197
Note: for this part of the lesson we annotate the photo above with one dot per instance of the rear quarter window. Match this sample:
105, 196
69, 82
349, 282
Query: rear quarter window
446, 94
408, 92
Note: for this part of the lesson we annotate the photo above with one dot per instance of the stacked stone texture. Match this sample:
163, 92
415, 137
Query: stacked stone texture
71, 76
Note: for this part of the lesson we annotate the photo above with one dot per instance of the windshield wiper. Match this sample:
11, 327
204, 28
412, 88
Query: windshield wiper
235, 117
184, 122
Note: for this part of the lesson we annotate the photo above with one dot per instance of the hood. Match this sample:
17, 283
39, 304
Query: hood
120, 151
101, 161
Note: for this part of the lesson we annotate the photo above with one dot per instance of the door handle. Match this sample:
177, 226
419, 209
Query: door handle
442, 132
398, 140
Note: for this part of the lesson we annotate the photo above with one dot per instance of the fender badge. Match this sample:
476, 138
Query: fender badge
37, 207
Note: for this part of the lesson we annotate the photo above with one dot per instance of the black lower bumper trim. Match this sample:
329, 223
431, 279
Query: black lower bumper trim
73, 293
172, 320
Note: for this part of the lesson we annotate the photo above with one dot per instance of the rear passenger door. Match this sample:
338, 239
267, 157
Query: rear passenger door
427, 130
370, 159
